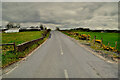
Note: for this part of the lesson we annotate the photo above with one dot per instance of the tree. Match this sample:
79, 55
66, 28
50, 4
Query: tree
32, 27
48, 30
57, 28
10, 25
18, 25
41, 27
45, 28
37, 27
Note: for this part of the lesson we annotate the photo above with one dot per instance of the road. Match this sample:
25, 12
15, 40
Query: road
60, 57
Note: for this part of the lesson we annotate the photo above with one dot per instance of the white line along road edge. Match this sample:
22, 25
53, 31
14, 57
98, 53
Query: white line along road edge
66, 74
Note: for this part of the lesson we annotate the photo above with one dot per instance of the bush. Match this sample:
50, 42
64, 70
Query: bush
98, 41
105, 47
109, 48
84, 37
48, 30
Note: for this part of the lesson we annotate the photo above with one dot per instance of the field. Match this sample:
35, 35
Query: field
9, 55
20, 37
104, 49
107, 37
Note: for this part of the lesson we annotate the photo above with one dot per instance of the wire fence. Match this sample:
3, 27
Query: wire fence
111, 44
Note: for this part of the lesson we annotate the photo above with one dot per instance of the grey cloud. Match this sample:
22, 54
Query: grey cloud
91, 14
15, 12
60, 0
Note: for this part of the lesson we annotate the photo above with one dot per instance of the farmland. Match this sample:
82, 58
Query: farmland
20, 37
107, 37
9, 55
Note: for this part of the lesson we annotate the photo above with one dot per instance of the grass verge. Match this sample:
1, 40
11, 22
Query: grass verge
107, 37
11, 56
97, 48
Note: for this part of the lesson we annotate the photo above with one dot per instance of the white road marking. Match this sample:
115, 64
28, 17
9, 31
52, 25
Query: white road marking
66, 74
17, 65
61, 53
61, 50
12, 70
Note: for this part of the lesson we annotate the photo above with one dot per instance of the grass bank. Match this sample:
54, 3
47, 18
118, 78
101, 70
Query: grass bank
107, 37
21, 37
9, 56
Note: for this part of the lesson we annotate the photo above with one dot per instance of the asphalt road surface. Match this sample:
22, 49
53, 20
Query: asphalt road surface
60, 57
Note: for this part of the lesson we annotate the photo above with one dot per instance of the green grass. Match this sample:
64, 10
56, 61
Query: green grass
107, 37
9, 56
20, 37
111, 37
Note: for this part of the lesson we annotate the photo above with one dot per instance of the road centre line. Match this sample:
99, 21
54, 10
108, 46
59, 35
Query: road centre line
61, 50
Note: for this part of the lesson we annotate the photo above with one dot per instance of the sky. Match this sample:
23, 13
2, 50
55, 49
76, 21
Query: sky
93, 15
60, 0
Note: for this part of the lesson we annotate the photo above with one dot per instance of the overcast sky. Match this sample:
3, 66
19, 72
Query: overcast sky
60, 0
94, 15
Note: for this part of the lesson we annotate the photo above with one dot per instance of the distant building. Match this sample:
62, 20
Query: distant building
12, 30
102, 31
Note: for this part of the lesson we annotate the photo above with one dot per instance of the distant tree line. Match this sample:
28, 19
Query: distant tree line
12, 25
17, 25
88, 30
43, 27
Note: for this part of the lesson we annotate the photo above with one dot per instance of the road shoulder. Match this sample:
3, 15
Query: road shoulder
86, 47
13, 66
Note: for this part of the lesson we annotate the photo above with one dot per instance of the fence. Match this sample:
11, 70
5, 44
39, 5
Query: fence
23, 46
10, 44
106, 45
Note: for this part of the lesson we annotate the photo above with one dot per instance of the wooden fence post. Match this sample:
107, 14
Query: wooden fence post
101, 41
14, 46
94, 39
115, 44
42, 34
90, 39
108, 43
87, 37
